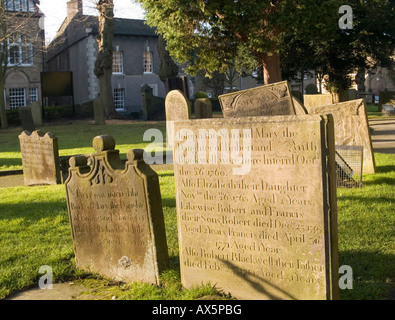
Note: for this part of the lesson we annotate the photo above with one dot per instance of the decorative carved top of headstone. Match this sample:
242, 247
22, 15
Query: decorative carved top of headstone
351, 128
116, 214
177, 108
270, 100
40, 158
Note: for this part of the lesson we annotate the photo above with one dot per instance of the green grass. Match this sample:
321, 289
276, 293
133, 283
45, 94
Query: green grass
35, 231
76, 138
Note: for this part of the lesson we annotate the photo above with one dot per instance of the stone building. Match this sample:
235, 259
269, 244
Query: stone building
25, 41
135, 58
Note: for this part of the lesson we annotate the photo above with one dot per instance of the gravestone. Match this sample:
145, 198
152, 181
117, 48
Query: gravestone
40, 158
99, 113
177, 108
203, 108
25, 115
269, 100
316, 100
116, 215
37, 114
256, 206
351, 128
388, 110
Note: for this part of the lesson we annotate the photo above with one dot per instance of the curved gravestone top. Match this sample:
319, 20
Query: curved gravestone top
177, 108
269, 100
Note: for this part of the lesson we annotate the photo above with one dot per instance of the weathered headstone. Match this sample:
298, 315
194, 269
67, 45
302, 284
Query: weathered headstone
25, 115
37, 114
203, 108
99, 113
270, 100
116, 215
388, 110
256, 206
316, 100
177, 108
351, 128
40, 158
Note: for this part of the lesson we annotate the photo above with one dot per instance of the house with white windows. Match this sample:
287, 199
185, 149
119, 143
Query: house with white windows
135, 58
25, 42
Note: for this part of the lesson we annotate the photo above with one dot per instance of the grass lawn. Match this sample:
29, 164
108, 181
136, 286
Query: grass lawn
35, 229
76, 138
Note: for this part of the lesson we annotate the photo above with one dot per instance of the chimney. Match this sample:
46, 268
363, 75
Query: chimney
74, 7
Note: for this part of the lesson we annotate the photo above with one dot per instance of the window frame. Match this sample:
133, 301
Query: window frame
119, 97
148, 61
33, 92
25, 56
117, 61
21, 95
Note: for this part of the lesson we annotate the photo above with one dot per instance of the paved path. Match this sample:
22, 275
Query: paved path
383, 135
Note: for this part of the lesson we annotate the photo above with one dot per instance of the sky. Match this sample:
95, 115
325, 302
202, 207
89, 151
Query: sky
55, 13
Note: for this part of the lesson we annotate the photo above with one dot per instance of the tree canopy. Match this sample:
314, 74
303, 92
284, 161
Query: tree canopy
212, 35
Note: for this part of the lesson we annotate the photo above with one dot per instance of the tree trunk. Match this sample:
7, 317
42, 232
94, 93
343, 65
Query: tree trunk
271, 68
4, 122
103, 65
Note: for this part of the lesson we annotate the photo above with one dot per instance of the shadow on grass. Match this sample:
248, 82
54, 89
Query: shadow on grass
371, 273
9, 162
385, 169
33, 211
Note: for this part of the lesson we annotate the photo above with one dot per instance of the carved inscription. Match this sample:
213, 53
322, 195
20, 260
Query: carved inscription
40, 158
117, 225
260, 235
269, 100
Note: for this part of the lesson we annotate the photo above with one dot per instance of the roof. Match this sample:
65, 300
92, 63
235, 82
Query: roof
132, 27
74, 30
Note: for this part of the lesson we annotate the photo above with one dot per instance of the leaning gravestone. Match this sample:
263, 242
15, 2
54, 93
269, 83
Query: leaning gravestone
256, 206
40, 158
203, 108
116, 215
351, 128
316, 100
25, 115
177, 108
270, 100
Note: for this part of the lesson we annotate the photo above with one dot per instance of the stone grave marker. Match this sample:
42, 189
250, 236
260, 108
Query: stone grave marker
37, 114
256, 206
116, 215
25, 115
40, 158
99, 113
177, 108
351, 128
203, 108
388, 110
316, 100
270, 100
